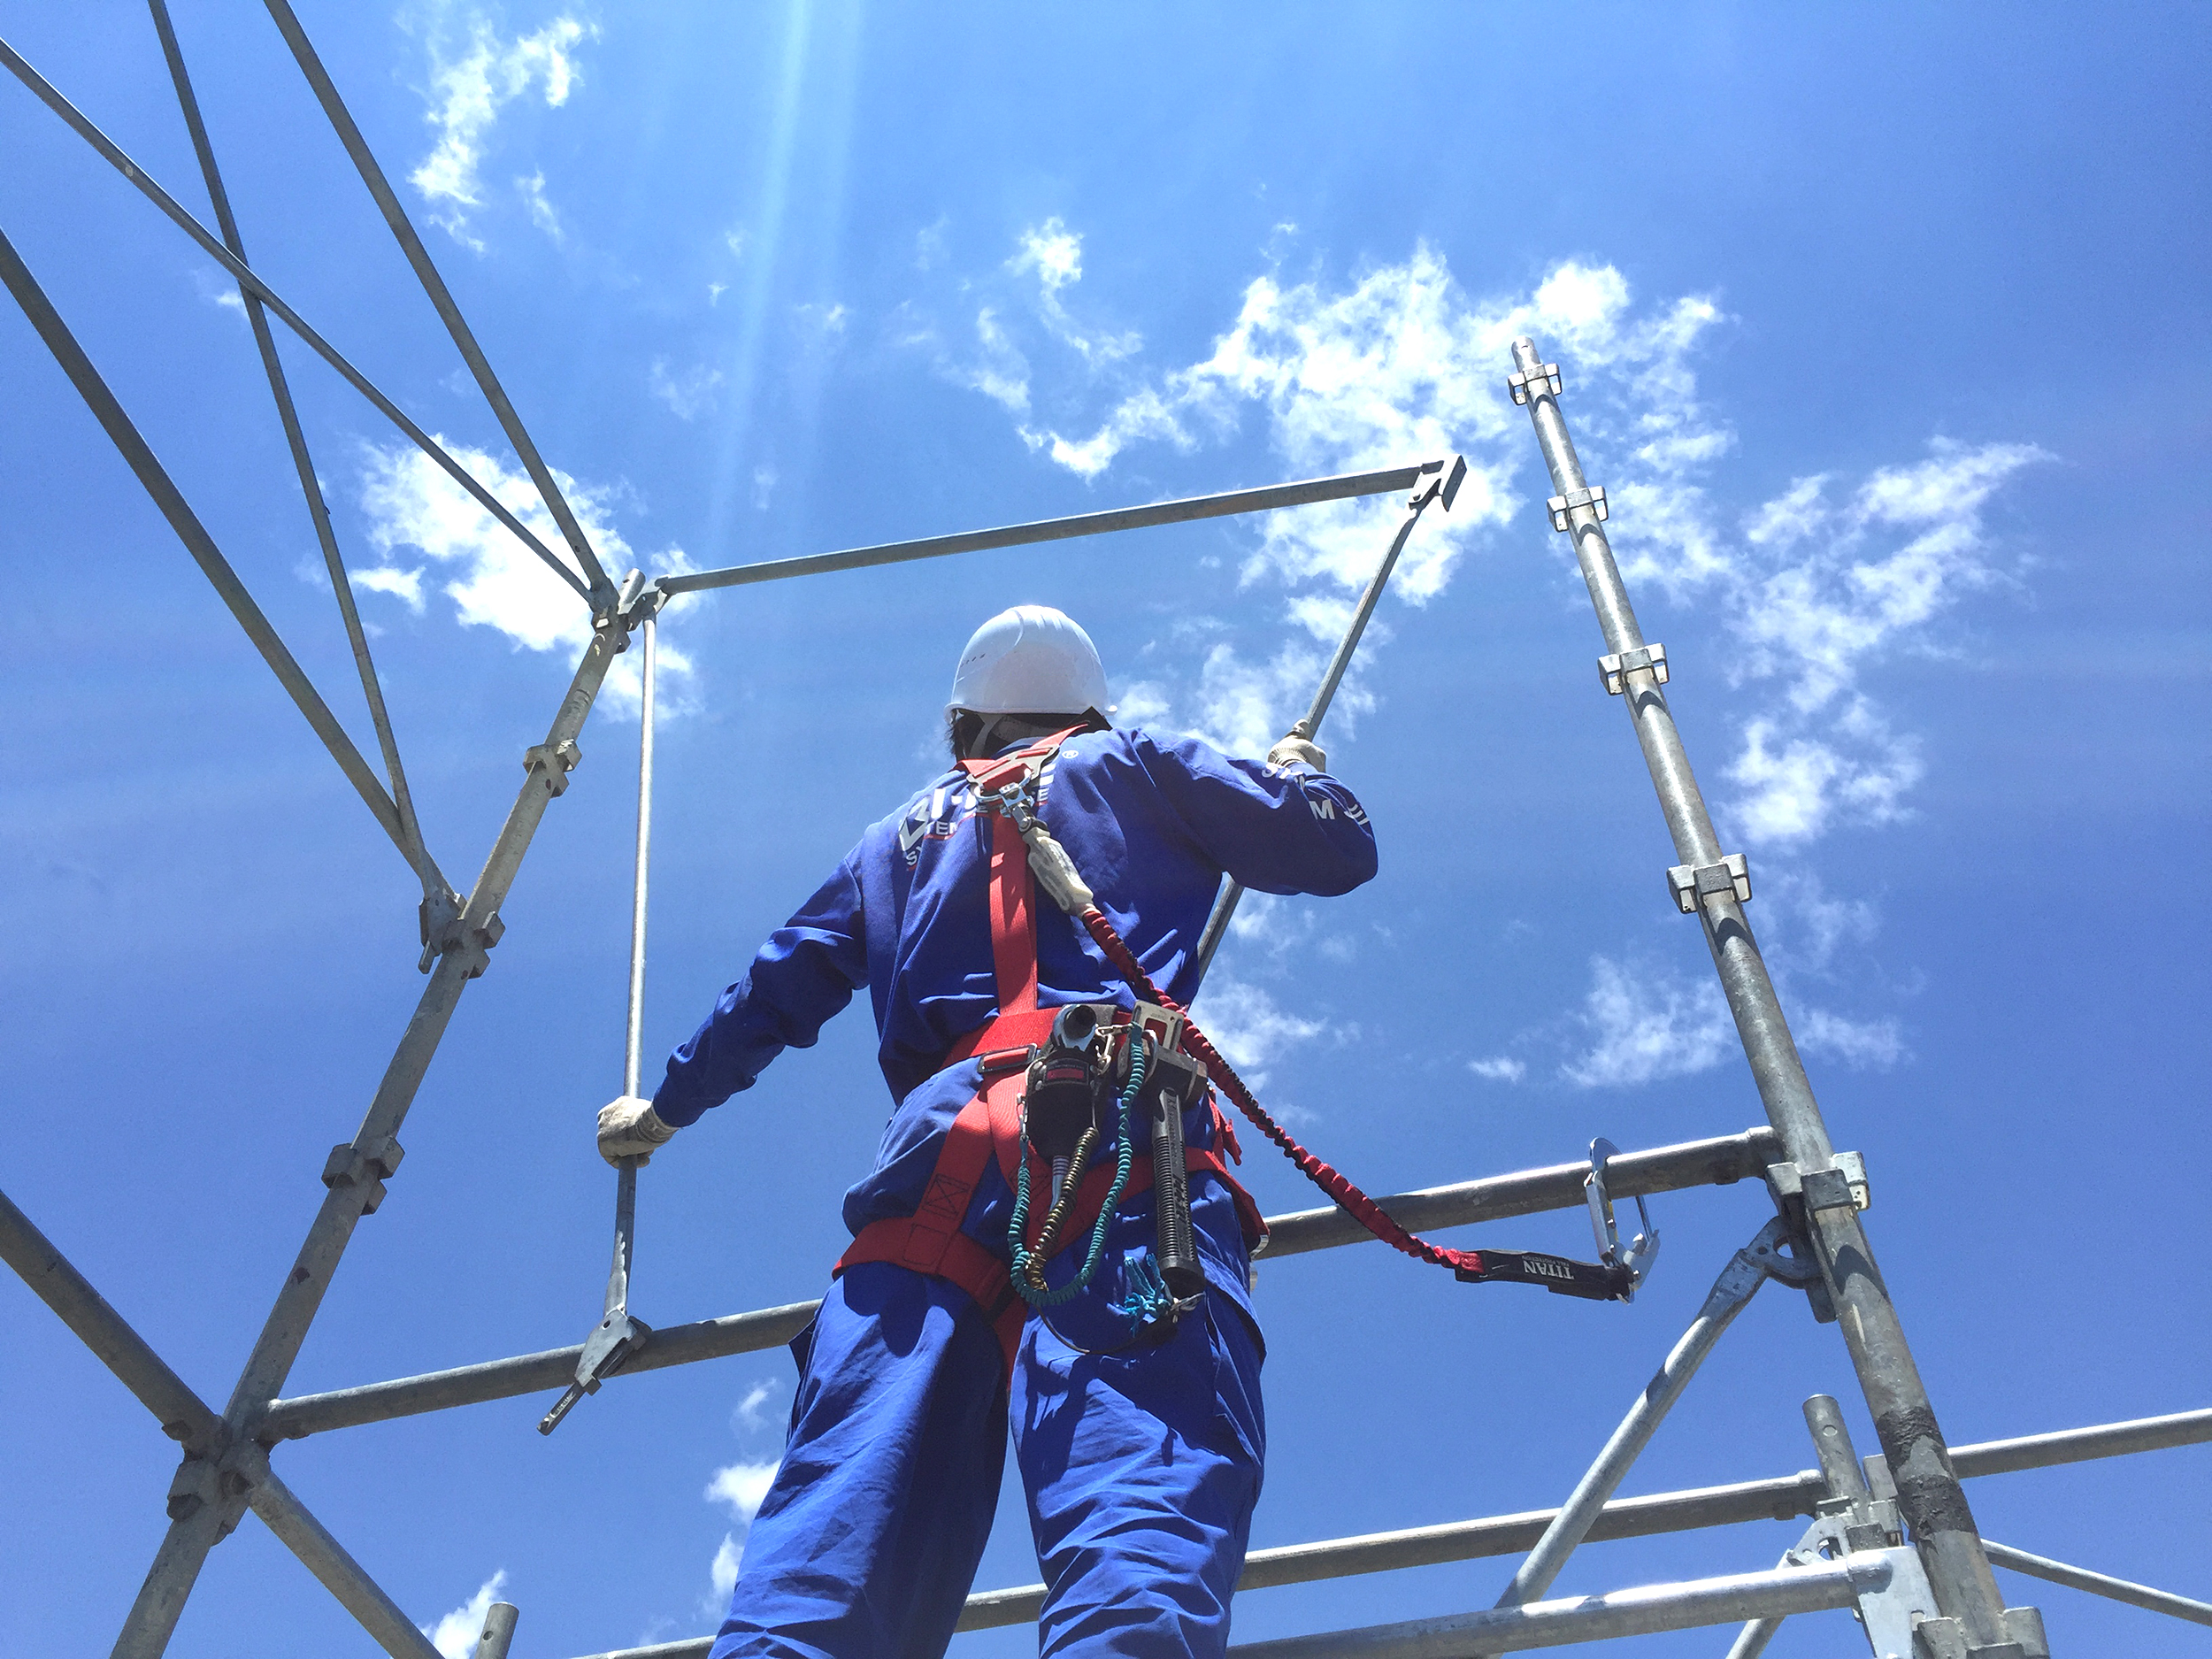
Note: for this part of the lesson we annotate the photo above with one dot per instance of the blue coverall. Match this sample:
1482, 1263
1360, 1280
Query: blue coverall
1142, 1467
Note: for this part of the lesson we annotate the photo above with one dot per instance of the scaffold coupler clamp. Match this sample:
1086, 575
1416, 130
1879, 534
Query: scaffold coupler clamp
1534, 383
1436, 482
636, 601
1691, 885
470, 941
1636, 1260
614, 1345
1564, 507
1613, 670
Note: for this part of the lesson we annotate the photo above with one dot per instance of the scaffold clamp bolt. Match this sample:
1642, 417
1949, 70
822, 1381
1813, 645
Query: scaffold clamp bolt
1693, 885
1613, 670
363, 1168
1843, 1186
1543, 378
1561, 506
553, 762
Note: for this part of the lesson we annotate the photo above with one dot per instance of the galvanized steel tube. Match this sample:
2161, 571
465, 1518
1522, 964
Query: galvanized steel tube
342, 1208
1731, 1292
402, 229
498, 1634
1664, 1169
1264, 499
1929, 1492
1642, 1611
327, 1559
633, 1034
2100, 1584
1225, 906
182, 1413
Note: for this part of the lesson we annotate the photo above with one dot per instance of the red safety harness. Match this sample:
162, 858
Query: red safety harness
989, 1125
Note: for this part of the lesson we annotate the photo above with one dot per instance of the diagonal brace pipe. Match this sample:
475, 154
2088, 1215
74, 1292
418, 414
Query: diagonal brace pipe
434, 882
250, 281
139, 458
603, 590
1748, 1269
1441, 485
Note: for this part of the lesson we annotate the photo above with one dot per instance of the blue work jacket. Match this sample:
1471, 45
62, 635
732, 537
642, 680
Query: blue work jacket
1151, 826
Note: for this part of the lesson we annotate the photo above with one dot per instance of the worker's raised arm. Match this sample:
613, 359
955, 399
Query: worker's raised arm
1279, 827
806, 973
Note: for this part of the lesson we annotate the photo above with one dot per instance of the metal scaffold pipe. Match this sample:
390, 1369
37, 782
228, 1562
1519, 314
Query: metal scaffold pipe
434, 882
1442, 484
1929, 1492
634, 1031
1732, 1293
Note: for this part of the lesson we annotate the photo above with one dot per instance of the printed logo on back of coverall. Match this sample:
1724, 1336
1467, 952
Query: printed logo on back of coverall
938, 812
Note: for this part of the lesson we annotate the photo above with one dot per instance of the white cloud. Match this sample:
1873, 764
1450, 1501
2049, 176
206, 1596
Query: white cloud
689, 395
750, 1415
466, 94
1251, 1029
405, 585
216, 288
1054, 255
541, 212
1499, 1068
743, 1486
1863, 1045
764, 485
931, 245
826, 318
1807, 591
722, 1573
1400, 365
492, 580
1001, 373
1645, 1025
455, 1635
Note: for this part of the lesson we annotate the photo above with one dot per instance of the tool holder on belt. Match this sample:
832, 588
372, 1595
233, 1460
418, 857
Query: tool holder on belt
1614, 1278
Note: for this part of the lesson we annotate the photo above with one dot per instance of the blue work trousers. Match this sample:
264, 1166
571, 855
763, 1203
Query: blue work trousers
1140, 1468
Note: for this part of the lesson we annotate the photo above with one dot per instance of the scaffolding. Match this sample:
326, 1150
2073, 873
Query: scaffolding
1890, 1537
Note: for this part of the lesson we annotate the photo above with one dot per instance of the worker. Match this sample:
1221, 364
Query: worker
1141, 1458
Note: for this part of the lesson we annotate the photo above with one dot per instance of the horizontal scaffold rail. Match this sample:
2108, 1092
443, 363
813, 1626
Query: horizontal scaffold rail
1304, 494
1716, 1162
1777, 1499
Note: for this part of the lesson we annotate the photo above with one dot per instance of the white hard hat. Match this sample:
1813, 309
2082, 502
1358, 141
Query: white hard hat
1030, 660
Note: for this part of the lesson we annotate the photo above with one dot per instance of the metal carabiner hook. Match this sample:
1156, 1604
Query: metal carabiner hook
1644, 1249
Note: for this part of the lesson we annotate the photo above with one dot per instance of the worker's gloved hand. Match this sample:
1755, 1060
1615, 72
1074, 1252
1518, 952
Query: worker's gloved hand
1302, 749
630, 1128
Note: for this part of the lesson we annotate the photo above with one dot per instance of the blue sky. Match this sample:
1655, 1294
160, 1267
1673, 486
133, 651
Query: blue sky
1888, 342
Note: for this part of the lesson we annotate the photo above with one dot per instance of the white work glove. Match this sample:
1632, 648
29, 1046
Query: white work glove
630, 1128
1295, 748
